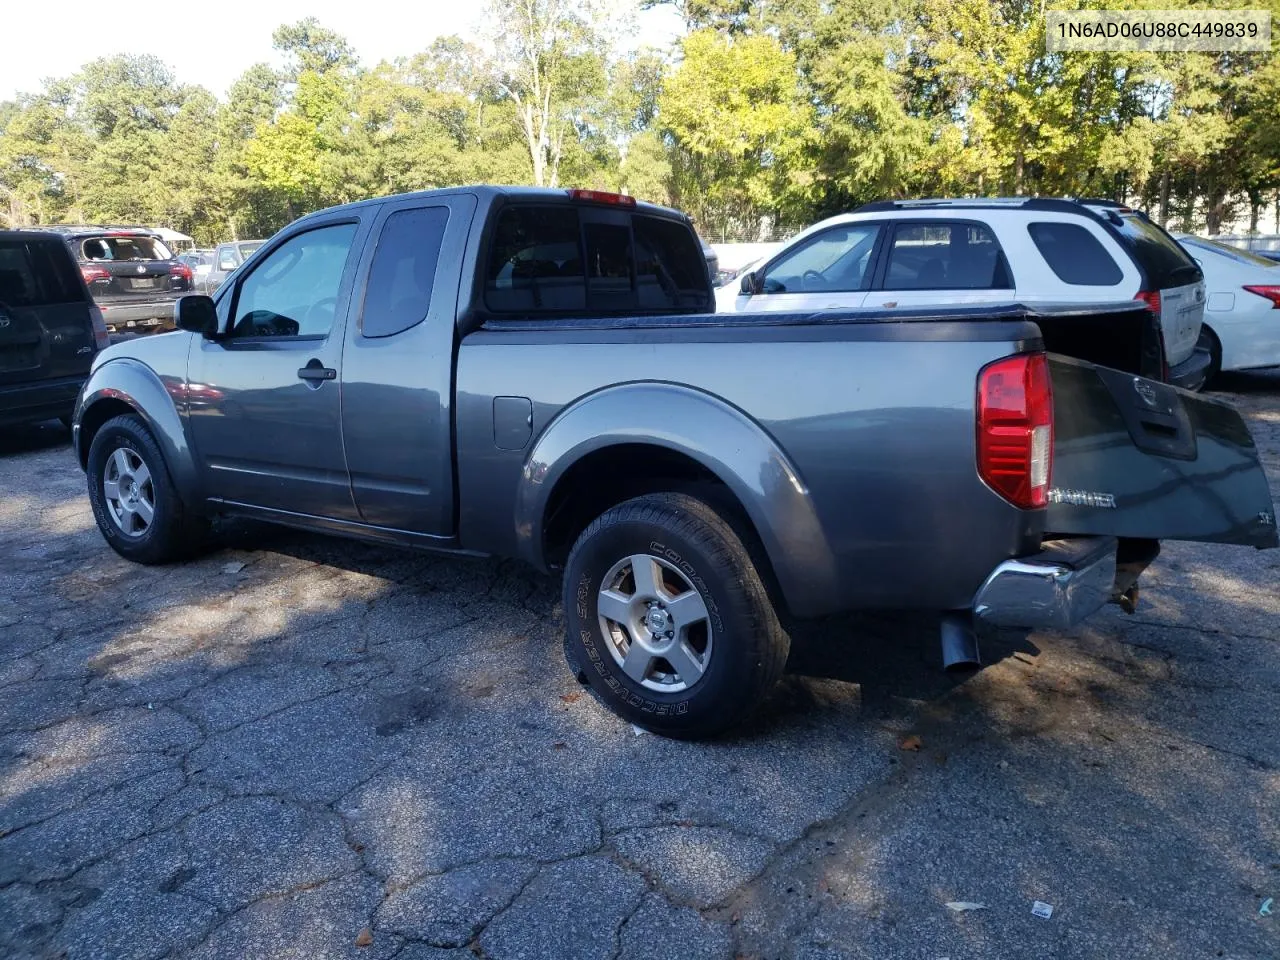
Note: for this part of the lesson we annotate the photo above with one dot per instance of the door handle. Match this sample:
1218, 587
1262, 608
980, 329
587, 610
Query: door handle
315, 372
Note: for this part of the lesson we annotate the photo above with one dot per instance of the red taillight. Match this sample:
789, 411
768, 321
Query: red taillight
599, 196
180, 270
1272, 293
1015, 428
1151, 298
91, 274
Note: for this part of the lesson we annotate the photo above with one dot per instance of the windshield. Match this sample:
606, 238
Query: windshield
248, 248
124, 248
1232, 253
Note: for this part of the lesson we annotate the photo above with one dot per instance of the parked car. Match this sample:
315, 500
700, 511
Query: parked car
200, 262
908, 253
226, 257
737, 258
50, 329
1263, 246
533, 373
726, 278
133, 277
1241, 324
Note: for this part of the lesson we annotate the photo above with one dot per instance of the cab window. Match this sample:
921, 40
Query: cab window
403, 272
294, 291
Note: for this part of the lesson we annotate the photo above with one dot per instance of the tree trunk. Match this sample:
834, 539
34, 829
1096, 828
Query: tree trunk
1213, 212
1019, 161
1164, 198
533, 137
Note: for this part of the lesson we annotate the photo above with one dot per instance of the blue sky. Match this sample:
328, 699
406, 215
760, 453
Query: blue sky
210, 42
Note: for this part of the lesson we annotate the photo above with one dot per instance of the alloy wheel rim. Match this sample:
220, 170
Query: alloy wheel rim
655, 624
129, 492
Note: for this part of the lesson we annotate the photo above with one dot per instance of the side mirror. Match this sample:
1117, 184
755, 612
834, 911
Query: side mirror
748, 284
196, 314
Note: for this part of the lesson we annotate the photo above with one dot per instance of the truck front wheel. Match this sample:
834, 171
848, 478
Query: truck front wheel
667, 618
136, 505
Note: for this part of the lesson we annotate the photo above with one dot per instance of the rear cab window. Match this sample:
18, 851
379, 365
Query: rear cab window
547, 259
1074, 254
36, 273
1165, 263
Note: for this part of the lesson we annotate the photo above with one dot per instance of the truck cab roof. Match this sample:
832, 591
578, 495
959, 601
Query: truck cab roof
491, 193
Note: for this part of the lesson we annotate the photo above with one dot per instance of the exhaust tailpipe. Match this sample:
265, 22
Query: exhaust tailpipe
959, 642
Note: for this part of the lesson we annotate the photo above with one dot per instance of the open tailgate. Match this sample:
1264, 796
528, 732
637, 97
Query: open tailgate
1138, 458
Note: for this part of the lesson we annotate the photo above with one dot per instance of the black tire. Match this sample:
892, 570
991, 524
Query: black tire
1210, 341
173, 533
747, 649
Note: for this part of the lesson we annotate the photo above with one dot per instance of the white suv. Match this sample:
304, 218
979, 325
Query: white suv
919, 253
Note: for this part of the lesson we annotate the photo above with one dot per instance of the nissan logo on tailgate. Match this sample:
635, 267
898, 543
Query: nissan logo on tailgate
1145, 391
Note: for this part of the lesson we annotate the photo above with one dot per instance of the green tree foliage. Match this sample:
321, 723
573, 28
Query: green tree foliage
961, 97
550, 63
768, 115
734, 111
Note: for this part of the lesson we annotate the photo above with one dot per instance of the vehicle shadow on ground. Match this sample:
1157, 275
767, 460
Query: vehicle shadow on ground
1247, 381
892, 656
33, 437
239, 694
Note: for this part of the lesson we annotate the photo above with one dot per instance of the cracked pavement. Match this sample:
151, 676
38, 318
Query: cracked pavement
340, 750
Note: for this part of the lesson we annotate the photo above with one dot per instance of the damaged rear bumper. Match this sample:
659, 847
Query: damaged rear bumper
1056, 588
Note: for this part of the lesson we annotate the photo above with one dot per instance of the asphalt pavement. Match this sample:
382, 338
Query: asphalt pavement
302, 747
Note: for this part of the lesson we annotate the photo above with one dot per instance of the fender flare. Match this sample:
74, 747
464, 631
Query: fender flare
709, 431
134, 383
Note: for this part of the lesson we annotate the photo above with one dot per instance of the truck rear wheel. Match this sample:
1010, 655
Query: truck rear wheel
134, 501
667, 618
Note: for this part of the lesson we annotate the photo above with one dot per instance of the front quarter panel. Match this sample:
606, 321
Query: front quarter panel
149, 377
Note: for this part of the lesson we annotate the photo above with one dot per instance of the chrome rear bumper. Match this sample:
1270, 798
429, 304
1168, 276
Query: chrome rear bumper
1058, 587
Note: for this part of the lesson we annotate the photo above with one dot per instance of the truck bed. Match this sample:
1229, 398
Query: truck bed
865, 449
875, 431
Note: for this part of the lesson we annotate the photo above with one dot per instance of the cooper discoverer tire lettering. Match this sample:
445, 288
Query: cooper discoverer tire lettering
668, 620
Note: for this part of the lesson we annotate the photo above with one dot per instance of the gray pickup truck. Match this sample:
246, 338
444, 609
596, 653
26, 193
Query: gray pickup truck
534, 374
